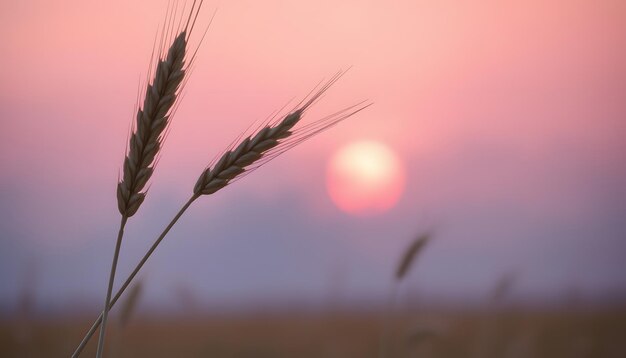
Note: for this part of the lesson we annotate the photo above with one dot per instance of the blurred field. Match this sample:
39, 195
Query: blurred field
452, 334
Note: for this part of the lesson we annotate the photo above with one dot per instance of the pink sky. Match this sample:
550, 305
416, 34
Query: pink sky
510, 118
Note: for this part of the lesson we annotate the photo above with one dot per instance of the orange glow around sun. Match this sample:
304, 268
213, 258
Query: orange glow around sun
364, 178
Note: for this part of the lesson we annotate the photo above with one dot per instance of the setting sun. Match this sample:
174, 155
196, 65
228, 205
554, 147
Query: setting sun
365, 178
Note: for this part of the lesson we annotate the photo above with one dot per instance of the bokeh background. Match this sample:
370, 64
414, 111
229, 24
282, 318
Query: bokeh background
509, 118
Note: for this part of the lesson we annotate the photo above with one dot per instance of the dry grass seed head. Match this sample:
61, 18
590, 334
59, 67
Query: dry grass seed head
130, 304
503, 287
410, 254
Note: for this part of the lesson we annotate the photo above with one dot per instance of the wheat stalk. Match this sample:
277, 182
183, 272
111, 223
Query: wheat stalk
273, 139
406, 261
130, 304
146, 140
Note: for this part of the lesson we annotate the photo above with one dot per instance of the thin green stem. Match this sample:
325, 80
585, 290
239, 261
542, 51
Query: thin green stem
107, 300
143, 260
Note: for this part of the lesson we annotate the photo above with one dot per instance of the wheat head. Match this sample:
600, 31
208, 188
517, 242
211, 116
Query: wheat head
410, 254
267, 143
151, 123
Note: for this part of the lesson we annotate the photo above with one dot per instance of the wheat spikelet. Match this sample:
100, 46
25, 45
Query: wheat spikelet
410, 254
267, 143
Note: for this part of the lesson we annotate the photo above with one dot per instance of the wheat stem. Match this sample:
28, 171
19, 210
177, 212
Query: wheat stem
387, 322
406, 261
107, 301
143, 260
